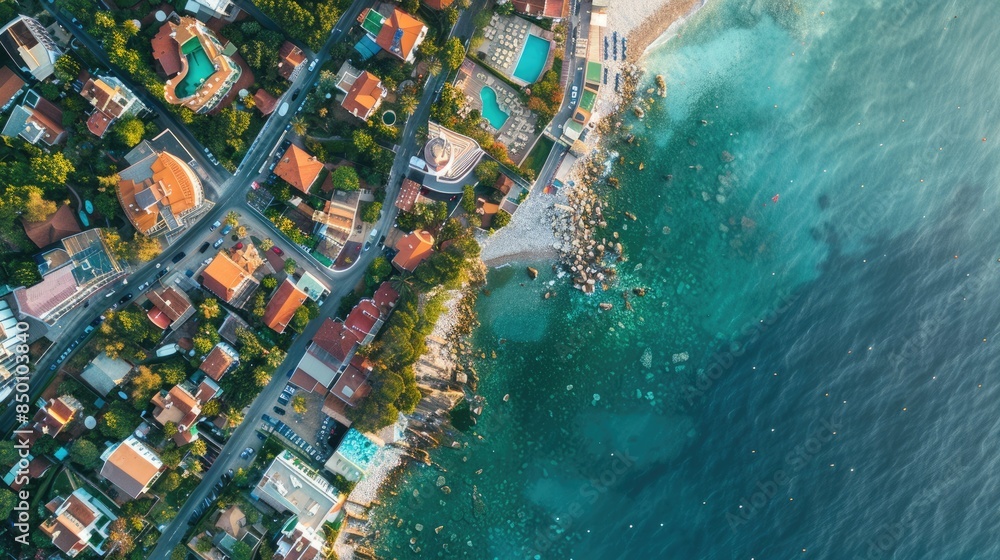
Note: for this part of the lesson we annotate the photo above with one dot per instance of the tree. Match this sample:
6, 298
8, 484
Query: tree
206, 338
119, 420
232, 218
120, 536
211, 408
290, 266
173, 372
453, 54
500, 219
145, 249
241, 231
269, 282
299, 126
209, 309
408, 103
6, 503
505, 9
84, 453
169, 482
345, 178
370, 212
469, 199
363, 141
8, 454
169, 429
300, 319
67, 68
44, 445
198, 447
129, 131
487, 171
299, 404
377, 271
36, 208
266, 244
434, 66
143, 385
179, 552
411, 6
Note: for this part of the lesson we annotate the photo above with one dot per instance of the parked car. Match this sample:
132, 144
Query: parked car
277, 250
312, 65
226, 230
279, 411
283, 399
215, 225
261, 436
238, 246
204, 247
207, 261
573, 93
254, 185
161, 273
219, 242
178, 257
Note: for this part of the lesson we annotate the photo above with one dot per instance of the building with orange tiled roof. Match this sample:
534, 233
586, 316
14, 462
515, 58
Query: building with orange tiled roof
158, 192
326, 357
10, 86
179, 407
111, 100
352, 385
438, 4
408, 194
171, 307
264, 101
287, 299
552, 9
364, 96
131, 467
228, 280
57, 413
298, 168
248, 258
365, 320
401, 34
197, 64
413, 249
78, 522
290, 59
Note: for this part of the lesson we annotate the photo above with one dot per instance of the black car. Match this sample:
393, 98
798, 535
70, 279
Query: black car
161, 274
279, 411
125, 298
204, 247
261, 436
177, 258
295, 94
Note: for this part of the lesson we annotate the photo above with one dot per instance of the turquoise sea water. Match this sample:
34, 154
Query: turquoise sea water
814, 377
532, 59
491, 109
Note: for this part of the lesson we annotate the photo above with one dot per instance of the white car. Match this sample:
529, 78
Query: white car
312, 65
573, 92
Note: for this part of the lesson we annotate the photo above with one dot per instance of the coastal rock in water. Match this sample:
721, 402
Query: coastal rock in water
726, 156
639, 112
640, 291
631, 216
661, 86
532, 273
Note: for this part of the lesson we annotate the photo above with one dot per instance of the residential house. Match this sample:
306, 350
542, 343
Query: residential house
290, 486
290, 59
400, 34
408, 194
486, 210
326, 357
364, 96
165, 141
180, 408
55, 228
111, 100
159, 193
229, 327
219, 361
353, 456
204, 10
229, 281
287, 299
336, 220
57, 413
311, 286
36, 120
503, 184
265, 102
104, 373
438, 4
550, 9
248, 258
131, 467
232, 521
78, 522
350, 387
298, 168
171, 307
197, 64
365, 320
298, 543
10, 87
413, 249
30, 45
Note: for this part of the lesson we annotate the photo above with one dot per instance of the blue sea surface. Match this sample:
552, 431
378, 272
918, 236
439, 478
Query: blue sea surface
813, 370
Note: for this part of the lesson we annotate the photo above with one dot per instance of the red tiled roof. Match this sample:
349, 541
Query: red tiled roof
10, 84
385, 298
413, 249
165, 51
336, 339
364, 95
57, 226
363, 318
264, 101
298, 168
540, 8
503, 183
438, 4
303, 380
283, 305
289, 58
170, 302
352, 386
411, 28
407, 195
98, 123
216, 363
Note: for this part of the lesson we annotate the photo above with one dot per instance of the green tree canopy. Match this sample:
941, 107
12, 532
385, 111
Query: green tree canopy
84, 453
370, 212
129, 131
345, 178
6, 503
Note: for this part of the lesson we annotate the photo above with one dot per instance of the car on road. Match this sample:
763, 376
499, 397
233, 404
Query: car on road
295, 94
143, 286
219, 243
261, 436
312, 65
215, 225
226, 230
125, 298
277, 250
279, 411
189, 273
573, 92
368, 245
161, 273
381, 241
373, 234
204, 247
178, 257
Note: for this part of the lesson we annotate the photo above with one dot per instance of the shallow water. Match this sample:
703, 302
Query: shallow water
813, 377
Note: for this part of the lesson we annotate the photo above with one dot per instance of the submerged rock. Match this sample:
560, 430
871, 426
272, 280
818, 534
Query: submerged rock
532, 273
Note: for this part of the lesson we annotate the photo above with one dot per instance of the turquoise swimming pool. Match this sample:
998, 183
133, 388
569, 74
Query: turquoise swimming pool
532, 59
491, 109
200, 67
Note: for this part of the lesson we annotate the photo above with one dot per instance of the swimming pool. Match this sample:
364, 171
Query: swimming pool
532, 59
199, 68
491, 109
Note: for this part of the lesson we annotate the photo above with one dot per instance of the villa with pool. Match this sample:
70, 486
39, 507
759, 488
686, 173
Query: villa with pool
198, 66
